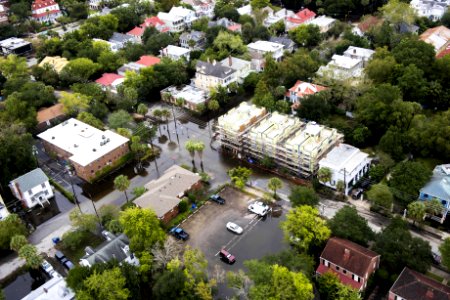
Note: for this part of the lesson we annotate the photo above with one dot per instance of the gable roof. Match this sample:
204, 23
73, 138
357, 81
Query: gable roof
368, 22
412, 285
286, 42
438, 37
302, 16
108, 79
214, 69
113, 249
348, 255
37, 4
30, 180
302, 89
164, 193
136, 31
152, 21
148, 60
56, 62
120, 38
439, 184
444, 52
49, 113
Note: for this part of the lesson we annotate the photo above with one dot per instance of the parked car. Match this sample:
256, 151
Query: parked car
68, 265
63, 260
217, 198
436, 258
259, 208
234, 228
227, 257
179, 233
356, 193
47, 267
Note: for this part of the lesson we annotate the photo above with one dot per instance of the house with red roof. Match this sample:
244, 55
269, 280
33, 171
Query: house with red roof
302, 89
137, 33
110, 81
45, 11
438, 37
148, 60
411, 285
304, 16
352, 263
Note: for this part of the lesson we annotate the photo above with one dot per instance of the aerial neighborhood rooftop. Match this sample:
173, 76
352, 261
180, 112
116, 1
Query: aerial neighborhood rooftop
213, 149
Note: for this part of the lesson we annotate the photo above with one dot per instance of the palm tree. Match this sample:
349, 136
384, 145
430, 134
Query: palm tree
122, 183
165, 113
191, 146
324, 175
157, 113
274, 184
434, 206
199, 147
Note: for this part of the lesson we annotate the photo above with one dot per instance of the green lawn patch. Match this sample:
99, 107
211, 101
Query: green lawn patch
90, 239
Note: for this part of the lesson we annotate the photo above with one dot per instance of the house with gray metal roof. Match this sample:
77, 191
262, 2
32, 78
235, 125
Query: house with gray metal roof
288, 44
120, 39
32, 188
438, 188
194, 40
211, 75
116, 247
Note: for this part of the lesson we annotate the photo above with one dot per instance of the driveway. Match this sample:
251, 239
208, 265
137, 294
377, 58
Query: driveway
208, 233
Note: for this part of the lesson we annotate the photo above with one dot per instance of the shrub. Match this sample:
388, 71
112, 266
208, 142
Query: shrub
182, 206
73, 239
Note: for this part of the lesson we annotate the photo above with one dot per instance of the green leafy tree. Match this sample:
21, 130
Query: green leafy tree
291, 259
120, 119
434, 206
83, 222
101, 27
213, 105
274, 184
191, 146
330, 288
408, 47
239, 176
142, 109
304, 226
324, 174
108, 213
229, 43
199, 147
17, 242
108, 285
79, 70
407, 178
306, 35
32, 258
90, 119
157, 42
381, 195
73, 239
122, 183
444, 249
13, 66
142, 227
399, 249
139, 191
416, 211
397, 12
170, 285
347, 224
11, 226
256, 4
302, 195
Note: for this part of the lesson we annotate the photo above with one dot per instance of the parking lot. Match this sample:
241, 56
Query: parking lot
207, 229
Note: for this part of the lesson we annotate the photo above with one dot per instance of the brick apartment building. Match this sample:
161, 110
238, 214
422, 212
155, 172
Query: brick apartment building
352, 263
88, 149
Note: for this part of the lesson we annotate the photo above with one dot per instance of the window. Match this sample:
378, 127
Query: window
337, 268
344, 271
425, 195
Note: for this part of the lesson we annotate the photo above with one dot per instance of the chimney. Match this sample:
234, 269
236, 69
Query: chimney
230, 61
45, 290
429, 294
354, 51
346, 254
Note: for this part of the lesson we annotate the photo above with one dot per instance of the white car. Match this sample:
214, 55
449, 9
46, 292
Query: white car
259, 208
47, 267
234, 228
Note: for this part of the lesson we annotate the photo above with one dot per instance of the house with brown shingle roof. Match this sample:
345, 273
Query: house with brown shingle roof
352, 263
411, 285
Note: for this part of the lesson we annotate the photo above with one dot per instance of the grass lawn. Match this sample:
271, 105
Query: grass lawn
91, 240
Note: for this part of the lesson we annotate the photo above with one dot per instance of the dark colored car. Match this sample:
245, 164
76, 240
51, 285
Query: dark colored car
179, 233
60, 256
436, 258
356, 193
227, 257
68, 265
217, 198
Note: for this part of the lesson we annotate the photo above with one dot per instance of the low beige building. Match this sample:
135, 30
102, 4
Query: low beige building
56, 62
165, 193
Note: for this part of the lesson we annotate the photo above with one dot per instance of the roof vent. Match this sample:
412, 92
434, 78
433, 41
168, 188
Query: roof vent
94, 150
103, 137
53, 137
75, 145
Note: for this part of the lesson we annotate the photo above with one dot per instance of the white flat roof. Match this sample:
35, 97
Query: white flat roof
175, 50
265, 46
54, 289
245, 10
84, 142
344, 156
322, 21
362, 52
344, 61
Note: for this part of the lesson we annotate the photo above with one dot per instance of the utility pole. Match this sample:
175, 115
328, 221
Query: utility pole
73, 191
